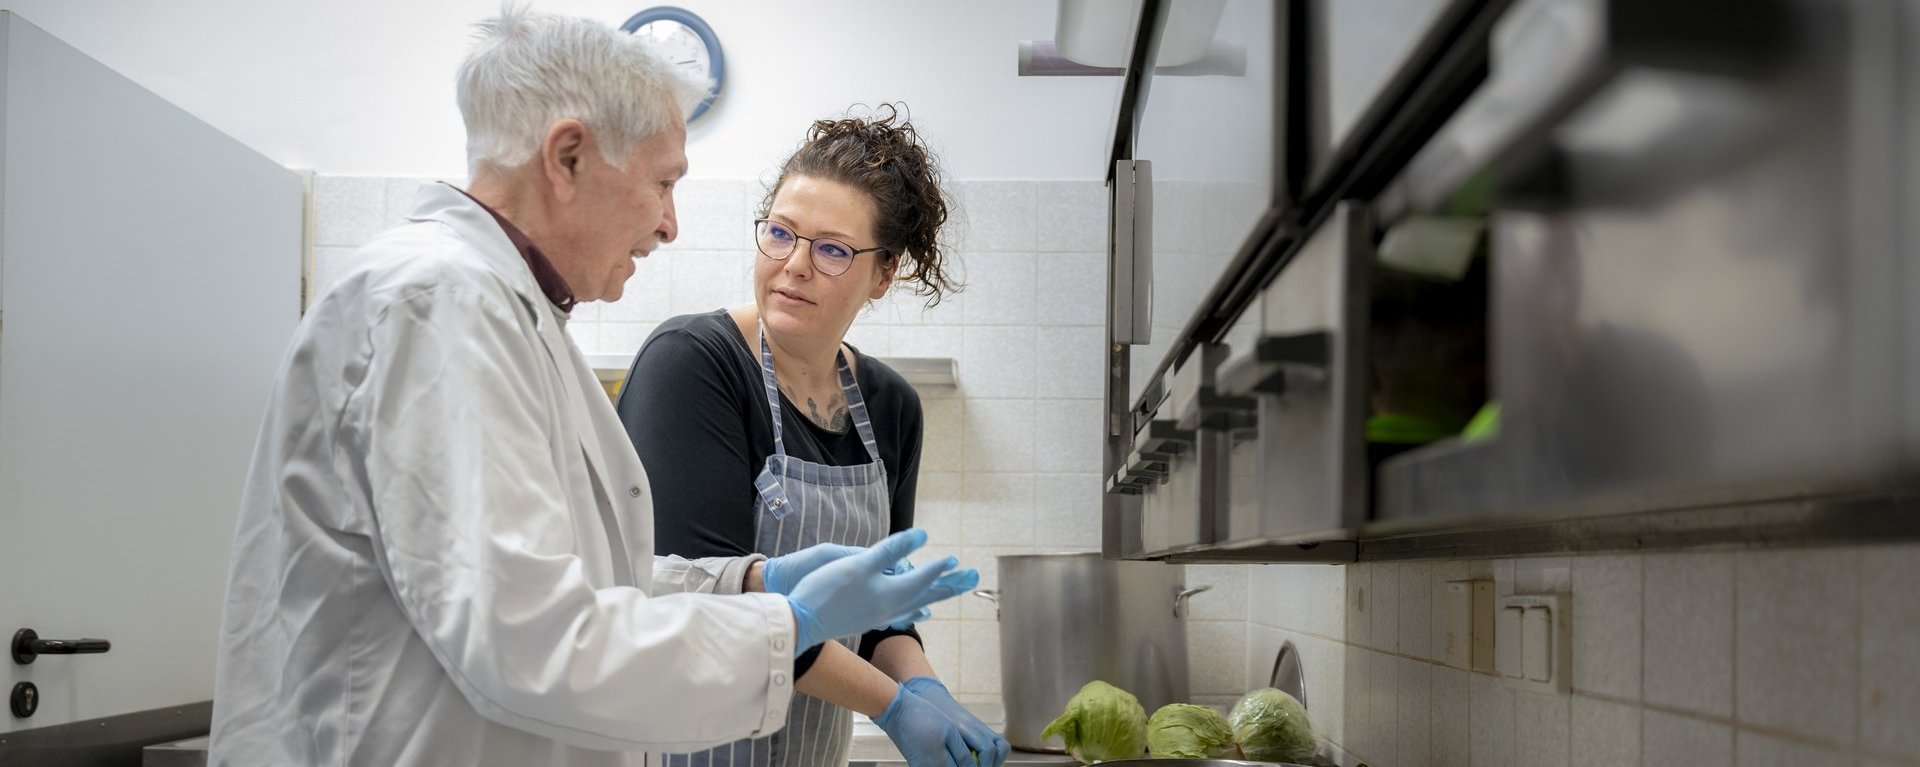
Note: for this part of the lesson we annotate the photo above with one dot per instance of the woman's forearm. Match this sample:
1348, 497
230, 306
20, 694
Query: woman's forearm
901, 658
840, 677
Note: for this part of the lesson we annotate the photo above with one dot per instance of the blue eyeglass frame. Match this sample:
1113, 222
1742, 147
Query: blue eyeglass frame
811, 241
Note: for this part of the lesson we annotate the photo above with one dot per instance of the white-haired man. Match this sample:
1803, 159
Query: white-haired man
444, 553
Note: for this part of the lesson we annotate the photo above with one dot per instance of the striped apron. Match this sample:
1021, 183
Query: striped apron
799, 504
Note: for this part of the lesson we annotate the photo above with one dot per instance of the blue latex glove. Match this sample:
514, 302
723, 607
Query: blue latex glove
782, 573
898, 568
926, 737
854, 594
991, 748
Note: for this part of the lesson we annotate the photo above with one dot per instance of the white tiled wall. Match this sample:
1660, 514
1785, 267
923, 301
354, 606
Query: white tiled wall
1705, 658
1010, 464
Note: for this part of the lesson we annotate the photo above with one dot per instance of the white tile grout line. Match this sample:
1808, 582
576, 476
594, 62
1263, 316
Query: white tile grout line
1733, 707
1859, 655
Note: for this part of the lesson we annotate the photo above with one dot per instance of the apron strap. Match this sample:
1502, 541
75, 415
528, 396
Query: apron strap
773, 395
857, 405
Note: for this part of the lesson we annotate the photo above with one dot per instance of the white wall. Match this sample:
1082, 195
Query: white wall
365, 87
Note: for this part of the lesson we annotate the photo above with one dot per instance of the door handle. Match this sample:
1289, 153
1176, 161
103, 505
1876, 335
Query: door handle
1130, 303
28, 646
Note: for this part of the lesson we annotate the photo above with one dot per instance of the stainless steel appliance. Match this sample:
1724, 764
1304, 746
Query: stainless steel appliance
1069, 619
1704, 289
1653, 254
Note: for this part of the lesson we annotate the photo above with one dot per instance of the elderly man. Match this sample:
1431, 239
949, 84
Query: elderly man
444, 553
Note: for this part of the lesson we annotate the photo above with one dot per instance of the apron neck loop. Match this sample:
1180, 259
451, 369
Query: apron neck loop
856, 404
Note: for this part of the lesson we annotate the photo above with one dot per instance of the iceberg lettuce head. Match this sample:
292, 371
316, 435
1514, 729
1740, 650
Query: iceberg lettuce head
1271, 726
1187, 731
1102, 722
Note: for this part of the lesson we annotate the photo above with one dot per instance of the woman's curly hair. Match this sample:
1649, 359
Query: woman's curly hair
884, 157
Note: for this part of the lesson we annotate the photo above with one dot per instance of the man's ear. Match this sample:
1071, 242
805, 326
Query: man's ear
563, 156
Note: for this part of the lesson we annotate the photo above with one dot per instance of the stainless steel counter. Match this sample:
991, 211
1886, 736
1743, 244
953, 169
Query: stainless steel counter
870, 749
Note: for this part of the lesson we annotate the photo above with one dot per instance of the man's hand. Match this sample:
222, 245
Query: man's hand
854, 594
782, 573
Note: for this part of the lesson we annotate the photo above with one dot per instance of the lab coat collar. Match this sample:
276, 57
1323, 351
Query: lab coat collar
472, 222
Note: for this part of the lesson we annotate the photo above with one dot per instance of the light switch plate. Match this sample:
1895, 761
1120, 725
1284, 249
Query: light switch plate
1540, 630
1508, 644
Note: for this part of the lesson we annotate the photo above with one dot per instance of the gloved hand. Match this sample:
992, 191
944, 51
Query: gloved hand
783, 572
854, 594
991, 748
898, 568
926, 737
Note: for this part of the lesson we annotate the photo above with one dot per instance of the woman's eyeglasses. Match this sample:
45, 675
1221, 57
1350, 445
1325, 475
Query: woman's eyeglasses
778, 242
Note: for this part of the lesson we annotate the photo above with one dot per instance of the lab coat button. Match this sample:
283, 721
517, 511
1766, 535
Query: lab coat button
634, 491
780, 643
779, 679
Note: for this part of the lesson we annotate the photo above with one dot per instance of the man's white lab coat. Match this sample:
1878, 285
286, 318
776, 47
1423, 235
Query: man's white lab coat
444, 553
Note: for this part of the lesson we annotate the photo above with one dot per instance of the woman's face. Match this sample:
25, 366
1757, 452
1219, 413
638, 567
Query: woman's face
796, 298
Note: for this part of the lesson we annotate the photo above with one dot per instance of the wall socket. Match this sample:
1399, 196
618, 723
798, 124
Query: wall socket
1463, 625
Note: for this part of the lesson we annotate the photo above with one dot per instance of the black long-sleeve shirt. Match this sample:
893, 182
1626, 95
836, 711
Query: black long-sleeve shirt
696, 409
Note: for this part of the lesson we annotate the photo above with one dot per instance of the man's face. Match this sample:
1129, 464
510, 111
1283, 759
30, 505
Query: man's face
622, 214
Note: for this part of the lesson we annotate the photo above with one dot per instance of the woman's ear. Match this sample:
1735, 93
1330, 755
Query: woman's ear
885, 283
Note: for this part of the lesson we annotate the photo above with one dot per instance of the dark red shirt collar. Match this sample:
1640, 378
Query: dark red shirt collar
549, 279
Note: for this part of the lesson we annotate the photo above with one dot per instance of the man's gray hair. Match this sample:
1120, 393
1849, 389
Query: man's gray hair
528, 70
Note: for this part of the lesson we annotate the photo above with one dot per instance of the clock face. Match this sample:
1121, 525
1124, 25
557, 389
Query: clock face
680, 44
686, 41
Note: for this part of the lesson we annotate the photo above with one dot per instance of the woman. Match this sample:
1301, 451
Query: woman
763, 431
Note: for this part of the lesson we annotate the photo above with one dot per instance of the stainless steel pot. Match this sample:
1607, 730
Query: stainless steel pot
1068, 619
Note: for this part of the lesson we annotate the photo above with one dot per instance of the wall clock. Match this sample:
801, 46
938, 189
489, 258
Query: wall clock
687, 41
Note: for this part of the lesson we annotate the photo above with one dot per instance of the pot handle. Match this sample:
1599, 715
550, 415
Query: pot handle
991, 596
1180, 600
